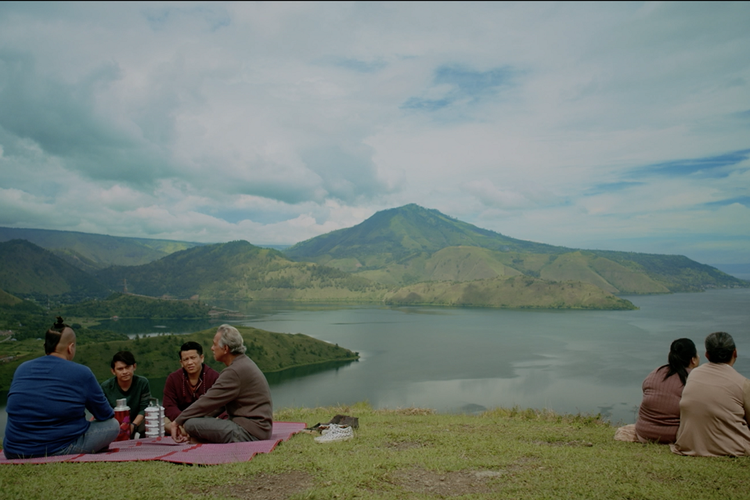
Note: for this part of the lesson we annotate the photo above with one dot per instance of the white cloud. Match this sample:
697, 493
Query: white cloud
276, 122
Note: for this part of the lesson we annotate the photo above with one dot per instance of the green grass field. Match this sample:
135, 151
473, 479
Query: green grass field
412, 453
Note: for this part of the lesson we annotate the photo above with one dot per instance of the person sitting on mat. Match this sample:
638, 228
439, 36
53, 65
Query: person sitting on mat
47, 404
186, 385
659, 414
241, 390
134, 388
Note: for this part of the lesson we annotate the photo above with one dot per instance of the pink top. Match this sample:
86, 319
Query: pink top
659, 415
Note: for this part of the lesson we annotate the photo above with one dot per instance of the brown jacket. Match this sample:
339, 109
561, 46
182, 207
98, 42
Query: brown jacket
241, 390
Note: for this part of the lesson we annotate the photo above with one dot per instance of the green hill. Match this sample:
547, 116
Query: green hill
240, 271
157, 357
7, 299
391, 235
22, 317
29, 271
411, 244
460, 263
90, 252
517, 292
133, 306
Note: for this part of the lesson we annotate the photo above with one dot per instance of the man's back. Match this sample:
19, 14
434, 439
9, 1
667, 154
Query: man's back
46, 405
714, 413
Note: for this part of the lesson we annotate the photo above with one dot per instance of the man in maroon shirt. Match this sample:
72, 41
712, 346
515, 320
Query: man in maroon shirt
186, 385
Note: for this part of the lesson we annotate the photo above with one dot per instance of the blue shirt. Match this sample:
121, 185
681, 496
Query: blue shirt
46, 406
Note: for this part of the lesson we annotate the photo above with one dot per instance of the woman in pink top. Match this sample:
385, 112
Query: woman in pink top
659, 415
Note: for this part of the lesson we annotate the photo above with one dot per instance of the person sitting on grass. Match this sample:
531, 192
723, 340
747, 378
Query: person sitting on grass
659, 414
241, 390
126, 384
186, 385
47, 404
715, 405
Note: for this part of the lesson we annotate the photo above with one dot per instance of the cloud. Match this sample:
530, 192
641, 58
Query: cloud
712, 166
457, 84
577, 124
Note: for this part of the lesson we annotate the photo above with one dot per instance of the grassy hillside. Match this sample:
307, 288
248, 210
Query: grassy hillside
517, 292
24, 318
157, 357
7, 299
96, 251
27, 270
675, 272
604, 273
241, 271
459, 263
413, 453
472, 263
133, 306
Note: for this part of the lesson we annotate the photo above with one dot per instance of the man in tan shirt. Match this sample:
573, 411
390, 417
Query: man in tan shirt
715, 405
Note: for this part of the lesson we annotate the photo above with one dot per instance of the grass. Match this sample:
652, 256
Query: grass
412, 453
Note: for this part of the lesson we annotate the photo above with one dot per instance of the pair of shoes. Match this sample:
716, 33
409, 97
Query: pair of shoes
335, 432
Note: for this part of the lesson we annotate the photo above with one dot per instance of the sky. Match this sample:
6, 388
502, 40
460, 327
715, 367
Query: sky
618, 126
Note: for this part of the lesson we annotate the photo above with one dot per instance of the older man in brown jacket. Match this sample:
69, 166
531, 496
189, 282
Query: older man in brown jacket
715, 405
241, 390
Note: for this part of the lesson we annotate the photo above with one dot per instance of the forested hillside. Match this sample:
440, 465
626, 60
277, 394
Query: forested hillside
29, 271
132, 306
240, 271
90, 252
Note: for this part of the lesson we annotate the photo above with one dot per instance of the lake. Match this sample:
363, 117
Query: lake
460, 359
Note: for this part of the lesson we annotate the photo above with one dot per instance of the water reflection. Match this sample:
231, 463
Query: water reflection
297, 372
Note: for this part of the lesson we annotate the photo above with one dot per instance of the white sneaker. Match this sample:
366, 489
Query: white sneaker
335, 433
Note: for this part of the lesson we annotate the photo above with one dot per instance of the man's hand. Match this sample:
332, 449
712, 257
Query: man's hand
178, 433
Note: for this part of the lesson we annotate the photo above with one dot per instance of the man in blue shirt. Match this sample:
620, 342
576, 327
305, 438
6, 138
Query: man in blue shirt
47, 402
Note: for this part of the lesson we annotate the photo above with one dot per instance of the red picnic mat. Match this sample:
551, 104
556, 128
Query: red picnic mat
165, 449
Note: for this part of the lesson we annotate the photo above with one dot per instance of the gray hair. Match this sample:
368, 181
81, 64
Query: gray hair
719, 347
231, 338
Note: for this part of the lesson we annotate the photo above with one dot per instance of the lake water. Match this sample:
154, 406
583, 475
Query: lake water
469, 359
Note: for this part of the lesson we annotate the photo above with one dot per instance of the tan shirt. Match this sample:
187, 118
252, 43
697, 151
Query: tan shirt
241, 390
714, 413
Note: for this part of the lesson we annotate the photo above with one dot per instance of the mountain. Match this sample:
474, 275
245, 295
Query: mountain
411, 244
397, 233
29, 271
91, 252
240, 271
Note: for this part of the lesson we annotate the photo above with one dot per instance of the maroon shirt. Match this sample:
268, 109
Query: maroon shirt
178, 394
